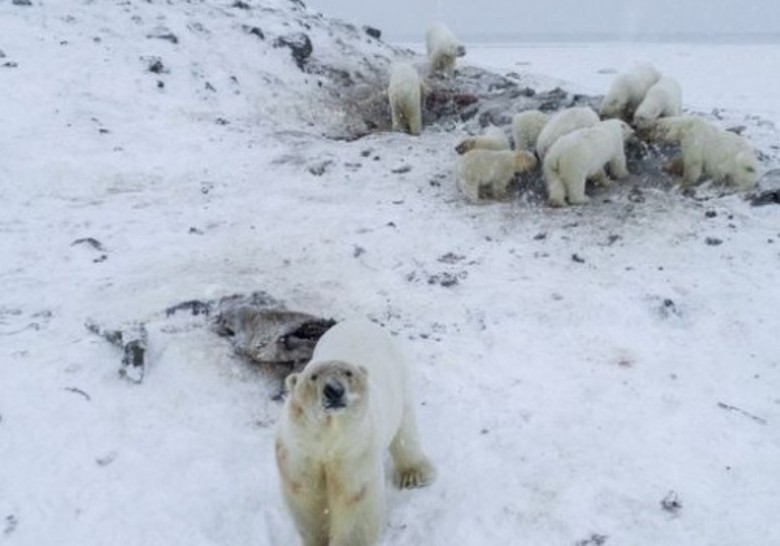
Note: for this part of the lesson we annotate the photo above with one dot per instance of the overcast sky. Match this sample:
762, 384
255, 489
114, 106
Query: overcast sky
405, 19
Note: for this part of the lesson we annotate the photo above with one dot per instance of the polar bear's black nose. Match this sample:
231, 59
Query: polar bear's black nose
333, 392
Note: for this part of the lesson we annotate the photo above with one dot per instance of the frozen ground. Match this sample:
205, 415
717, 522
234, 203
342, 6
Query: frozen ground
574, 366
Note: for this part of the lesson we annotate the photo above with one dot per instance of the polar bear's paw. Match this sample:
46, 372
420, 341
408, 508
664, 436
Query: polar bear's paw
415, 475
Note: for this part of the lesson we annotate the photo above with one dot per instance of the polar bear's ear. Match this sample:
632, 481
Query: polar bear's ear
291, 381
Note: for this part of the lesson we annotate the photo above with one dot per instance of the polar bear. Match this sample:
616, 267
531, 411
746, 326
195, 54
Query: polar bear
443, 48
582, 154
405, 95
350, 404
663, 100
526, 127
710, 151
563, 123
628, 90
491, 171
492, 139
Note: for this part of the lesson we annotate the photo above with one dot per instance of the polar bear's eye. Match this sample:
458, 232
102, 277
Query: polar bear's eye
314, 377
348, 373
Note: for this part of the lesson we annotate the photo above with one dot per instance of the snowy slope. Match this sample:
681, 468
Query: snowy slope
587, 361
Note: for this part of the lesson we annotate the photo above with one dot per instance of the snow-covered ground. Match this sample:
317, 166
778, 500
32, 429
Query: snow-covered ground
586, 363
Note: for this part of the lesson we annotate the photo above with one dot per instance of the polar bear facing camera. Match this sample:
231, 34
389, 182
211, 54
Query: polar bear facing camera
490, 172
347, 407
526, 127
562, 123
581, 155
405, 95
443, 48
492, 139
628, 90
710, 151
663, 100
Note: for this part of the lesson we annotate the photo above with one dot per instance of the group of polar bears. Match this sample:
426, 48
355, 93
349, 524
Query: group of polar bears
352, 402
578, 144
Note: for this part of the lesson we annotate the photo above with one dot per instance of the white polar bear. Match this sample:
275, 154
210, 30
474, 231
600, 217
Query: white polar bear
491, 171
405, 95
526, 127
562, 123
347, 407
710, 151
443, 48
663, 100
628, 90
492, 139
582, 154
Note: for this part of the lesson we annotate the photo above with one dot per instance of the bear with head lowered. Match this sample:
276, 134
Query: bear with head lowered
347, 407
582, 155
710, 151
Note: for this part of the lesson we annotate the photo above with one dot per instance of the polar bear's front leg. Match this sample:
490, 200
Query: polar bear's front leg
617, 166
693, 169
395, 115
500, 188
601, 178
414, 120
357, 512
412, 467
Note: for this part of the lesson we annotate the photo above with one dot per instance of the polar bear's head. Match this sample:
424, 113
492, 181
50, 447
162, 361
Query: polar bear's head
620, 127
327, 388
613, 106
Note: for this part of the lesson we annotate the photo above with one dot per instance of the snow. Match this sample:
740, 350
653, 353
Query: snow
561, 399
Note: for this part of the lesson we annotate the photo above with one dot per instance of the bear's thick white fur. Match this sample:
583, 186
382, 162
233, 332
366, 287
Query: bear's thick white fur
628, 90
405, 95
491, 171
526, 127
492, 139
347, 407
663, 100
562, 123
583, 154
443, 48
710, 151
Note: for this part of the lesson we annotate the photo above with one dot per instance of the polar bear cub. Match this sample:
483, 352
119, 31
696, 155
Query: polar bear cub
582, 154
710, 151
405, 95
663, 100
347, 407
492, 139
628, 90
491, 171
562, 123
526, 127
443, 48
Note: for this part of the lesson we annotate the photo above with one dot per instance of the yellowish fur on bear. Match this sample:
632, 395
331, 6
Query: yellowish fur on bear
348, 407
489, 172
493, 139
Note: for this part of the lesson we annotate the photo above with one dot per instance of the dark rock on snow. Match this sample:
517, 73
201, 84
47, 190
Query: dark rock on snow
299, 44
